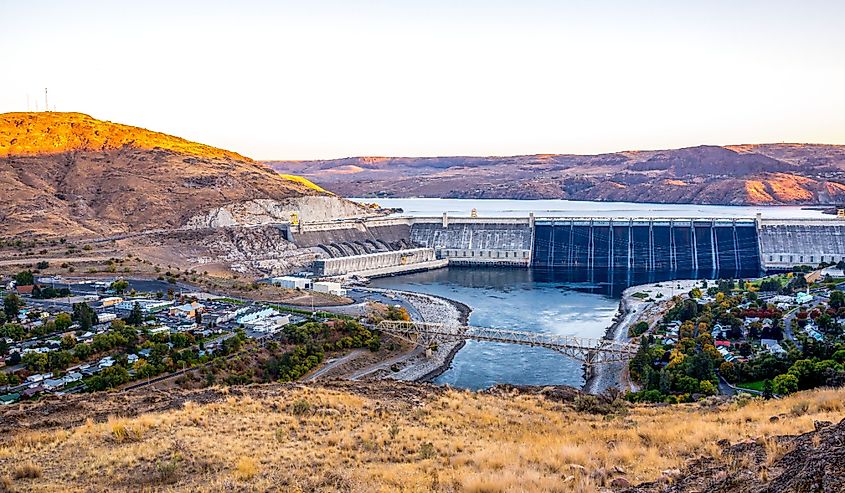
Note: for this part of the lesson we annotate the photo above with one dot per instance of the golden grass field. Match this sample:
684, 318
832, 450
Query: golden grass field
300, 438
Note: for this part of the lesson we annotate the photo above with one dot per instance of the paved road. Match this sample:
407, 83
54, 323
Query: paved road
787, 327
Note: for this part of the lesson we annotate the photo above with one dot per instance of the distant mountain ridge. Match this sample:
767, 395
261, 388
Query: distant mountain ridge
68, 174
766, 174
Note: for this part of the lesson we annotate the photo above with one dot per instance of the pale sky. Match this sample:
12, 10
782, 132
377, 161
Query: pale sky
318, 79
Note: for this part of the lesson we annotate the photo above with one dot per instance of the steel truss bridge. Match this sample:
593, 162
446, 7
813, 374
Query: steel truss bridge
584, 349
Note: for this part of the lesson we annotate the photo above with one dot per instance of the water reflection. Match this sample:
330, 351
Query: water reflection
567, 302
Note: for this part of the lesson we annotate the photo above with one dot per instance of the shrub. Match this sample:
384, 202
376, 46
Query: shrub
246, 468
300, 408
27, 470
427, 451
168, 472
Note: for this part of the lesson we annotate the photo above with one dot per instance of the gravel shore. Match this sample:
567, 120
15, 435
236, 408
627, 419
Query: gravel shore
632, 309
433, 309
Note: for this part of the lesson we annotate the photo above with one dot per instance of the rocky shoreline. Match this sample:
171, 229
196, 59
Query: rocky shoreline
632, 309
432, 309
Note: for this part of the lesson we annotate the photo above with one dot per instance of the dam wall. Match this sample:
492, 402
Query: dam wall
704, 245
470, 241
647, 244
380, 264
784, 244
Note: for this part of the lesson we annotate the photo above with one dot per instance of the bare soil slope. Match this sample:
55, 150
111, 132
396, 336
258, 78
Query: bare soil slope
737, 175
70, 174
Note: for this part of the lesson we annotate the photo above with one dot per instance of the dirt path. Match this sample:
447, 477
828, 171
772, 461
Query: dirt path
24, 261
334, 363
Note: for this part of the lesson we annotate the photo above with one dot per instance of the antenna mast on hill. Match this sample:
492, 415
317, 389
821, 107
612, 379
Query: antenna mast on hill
46, 106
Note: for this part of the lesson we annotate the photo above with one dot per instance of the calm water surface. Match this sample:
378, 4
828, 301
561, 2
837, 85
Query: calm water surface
428, 207
521, 299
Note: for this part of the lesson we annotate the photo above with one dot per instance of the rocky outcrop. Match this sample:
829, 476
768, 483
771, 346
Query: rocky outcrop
268, 211
810, 463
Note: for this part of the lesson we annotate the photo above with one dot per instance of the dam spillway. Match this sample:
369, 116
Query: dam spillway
705, 246
646, 244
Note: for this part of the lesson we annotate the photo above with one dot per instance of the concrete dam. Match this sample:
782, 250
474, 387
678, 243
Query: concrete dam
728, 246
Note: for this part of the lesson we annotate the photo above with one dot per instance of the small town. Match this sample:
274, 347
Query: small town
769, 336
93, 335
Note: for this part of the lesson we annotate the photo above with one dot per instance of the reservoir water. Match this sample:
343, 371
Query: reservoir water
432, 207
571, 303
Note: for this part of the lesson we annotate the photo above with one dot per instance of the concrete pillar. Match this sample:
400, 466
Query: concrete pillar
445, 220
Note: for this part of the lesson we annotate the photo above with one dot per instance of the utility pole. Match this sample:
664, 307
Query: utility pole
46, 106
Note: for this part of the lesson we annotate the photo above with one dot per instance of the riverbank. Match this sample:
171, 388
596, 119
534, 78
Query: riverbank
644, 302
416, 365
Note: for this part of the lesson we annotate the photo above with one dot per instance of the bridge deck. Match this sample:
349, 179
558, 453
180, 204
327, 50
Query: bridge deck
587, 350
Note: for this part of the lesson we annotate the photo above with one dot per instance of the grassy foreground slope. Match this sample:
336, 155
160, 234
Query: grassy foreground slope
387, 437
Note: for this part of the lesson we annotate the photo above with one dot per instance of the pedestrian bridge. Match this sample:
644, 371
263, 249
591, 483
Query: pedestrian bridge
584, 349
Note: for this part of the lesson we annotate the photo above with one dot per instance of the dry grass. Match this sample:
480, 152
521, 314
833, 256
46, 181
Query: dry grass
246, 468
27, 470
455, 441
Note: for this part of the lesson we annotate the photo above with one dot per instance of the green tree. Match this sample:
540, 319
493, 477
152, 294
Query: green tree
59, 360
68, 341
136, 317
84, 316
111, 377
768, 389
63, 321
13, 331
707, 387
804, 371
837, 299
35, 361
785, 384
82, 351
638, 329
24, 278
11, 306
728, 371
120, 286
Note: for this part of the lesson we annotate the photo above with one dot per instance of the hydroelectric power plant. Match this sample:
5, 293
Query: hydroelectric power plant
706, 246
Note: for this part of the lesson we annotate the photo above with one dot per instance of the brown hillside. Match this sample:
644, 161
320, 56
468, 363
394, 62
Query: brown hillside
392, 436
70, 174
749, 174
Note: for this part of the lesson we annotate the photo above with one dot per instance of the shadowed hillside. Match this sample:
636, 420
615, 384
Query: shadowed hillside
768, 174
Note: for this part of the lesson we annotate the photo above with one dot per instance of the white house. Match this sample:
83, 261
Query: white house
772, 346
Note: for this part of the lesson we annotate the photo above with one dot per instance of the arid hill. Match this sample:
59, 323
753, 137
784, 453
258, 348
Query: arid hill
67, 174
392, 436
748, 174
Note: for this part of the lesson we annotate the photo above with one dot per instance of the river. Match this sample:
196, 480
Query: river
570, 303
520, 299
